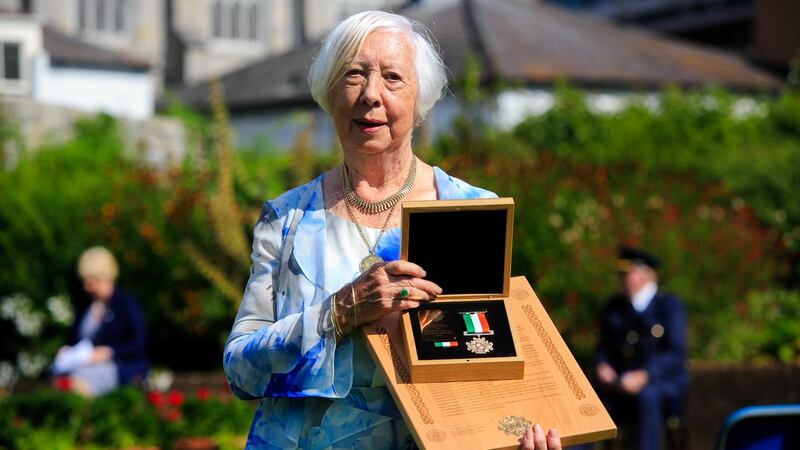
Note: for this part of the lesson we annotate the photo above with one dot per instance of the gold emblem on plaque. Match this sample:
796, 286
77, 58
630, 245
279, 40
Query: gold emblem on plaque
480, 346
587, 409
436, 435
513, 425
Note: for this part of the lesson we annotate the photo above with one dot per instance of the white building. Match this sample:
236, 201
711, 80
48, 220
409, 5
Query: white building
188, 41
52, 68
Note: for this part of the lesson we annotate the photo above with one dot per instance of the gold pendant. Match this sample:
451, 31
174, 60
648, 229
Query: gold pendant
367, 262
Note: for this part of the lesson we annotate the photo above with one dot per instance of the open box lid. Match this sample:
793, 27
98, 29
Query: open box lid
463, 245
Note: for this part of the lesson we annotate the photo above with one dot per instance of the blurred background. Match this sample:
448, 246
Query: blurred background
158, 127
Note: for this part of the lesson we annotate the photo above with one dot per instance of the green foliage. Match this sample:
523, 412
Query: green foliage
765, 323
119, 419
705, 179
694, 179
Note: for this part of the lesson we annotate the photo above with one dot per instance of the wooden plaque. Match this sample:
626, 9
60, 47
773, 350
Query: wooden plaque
491, 414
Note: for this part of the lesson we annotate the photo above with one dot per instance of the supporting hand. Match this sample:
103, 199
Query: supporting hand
101, 354
606, 374
634, 381
535, 439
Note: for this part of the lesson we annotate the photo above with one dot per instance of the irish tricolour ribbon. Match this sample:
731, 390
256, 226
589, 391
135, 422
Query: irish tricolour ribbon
476, 323
445, 344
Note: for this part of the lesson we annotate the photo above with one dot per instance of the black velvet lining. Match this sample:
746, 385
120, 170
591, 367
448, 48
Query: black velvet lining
495, 315
461, 251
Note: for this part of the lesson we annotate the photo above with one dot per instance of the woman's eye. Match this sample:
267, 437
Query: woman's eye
353, 73
393, 77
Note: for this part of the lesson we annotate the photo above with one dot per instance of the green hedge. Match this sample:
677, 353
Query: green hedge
123, 418
707, 189
710, 192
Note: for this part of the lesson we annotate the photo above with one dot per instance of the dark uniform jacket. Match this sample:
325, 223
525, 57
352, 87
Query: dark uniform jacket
654, 339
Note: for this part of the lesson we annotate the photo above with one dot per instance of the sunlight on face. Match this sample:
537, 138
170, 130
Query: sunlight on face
635, 279
373, 104
98, 288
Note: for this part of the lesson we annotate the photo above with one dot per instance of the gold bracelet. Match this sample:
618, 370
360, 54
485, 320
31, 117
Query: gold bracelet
337, 330
355, 306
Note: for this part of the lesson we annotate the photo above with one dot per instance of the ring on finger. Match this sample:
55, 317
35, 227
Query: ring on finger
403, 293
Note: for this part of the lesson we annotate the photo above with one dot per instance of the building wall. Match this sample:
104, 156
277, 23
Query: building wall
143, 35
28, 34
160, 141
207, 55
120, 93
322, 15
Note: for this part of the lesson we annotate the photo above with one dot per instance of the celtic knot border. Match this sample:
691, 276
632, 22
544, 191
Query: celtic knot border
551, 348
405, 376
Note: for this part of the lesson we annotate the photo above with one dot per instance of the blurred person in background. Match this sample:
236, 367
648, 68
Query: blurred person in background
108, 337
325, 254
641, 355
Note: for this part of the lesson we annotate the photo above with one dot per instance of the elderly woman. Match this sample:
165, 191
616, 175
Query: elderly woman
108, 337
320, 251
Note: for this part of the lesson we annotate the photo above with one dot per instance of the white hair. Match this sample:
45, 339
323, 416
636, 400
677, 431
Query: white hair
97, 262
344, 42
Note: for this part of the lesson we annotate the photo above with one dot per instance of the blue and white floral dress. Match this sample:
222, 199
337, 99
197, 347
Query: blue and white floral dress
314, 393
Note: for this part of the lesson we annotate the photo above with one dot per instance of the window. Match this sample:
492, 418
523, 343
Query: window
108, 16
254, 14
238, 19
10, 64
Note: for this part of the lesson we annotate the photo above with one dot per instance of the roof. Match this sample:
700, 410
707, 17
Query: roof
66, 50
542, 43
532, 43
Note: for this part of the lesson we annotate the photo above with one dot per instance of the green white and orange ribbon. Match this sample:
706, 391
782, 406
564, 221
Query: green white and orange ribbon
476, 323
445, 344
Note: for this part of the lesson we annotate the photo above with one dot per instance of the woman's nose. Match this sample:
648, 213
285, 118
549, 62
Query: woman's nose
371, 94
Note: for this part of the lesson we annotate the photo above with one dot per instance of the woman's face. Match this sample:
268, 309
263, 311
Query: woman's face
98, 288
373, 104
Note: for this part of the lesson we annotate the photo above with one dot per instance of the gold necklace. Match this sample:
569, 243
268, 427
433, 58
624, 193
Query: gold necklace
382, 205
372, 258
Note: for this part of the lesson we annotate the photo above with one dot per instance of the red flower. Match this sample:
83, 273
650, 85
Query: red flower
63, 383
175, 398
203, 394
172, 415
155, 398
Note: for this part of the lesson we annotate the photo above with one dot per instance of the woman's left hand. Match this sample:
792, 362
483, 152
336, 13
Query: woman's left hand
535, 439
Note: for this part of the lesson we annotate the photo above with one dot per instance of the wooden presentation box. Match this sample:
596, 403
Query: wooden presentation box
493, 414
466, 334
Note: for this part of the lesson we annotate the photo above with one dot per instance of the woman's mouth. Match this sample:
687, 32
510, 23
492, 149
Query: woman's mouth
369, 126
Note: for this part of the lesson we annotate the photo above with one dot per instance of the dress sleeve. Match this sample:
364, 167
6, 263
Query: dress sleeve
274, 356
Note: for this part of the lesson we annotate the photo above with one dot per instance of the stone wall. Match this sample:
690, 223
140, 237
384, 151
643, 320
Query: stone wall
160, 141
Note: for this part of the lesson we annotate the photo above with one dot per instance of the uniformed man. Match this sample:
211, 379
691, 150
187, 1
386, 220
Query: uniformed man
641, 355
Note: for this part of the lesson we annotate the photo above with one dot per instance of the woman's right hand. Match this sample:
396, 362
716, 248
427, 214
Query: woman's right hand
379, 291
